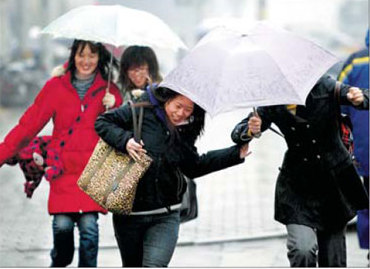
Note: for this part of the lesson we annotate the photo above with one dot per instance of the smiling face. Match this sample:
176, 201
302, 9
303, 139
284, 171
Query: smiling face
179, 109
86, 62
138, 75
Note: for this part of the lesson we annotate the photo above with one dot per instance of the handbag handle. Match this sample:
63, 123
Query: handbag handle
137, 125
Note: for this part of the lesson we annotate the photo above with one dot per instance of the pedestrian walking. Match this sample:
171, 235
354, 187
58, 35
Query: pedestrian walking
72, 100
139, 69
147, 237
356, 72
318, 189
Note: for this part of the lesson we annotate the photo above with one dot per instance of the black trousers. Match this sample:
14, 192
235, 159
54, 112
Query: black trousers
307, 247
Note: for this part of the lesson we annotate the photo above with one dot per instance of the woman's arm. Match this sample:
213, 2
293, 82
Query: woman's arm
358, 98
195, 165
350, 96
30, 124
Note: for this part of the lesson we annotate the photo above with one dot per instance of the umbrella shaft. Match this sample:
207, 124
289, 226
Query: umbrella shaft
110, 71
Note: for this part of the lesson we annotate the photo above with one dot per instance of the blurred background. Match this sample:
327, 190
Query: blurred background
26, 57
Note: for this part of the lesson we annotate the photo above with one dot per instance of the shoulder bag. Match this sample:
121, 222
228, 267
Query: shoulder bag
189, 205
111, 177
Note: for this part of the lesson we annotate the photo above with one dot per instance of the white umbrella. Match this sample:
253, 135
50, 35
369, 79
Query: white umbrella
116, 25
264, 65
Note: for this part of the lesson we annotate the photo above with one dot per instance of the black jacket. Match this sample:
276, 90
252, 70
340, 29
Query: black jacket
162, 185
317, 185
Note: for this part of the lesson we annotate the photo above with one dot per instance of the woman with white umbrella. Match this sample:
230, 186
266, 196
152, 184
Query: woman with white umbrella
72, 100
318, 189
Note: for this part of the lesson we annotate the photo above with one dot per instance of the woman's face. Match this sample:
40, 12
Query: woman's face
138, 75
179, 109
86, 62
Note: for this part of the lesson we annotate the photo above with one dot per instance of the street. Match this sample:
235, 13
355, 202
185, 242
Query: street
235, 211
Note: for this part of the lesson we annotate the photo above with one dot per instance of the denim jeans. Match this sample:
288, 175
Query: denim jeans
63, 249
147, 240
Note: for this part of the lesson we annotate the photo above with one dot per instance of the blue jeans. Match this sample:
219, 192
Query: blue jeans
63, 249
147, 240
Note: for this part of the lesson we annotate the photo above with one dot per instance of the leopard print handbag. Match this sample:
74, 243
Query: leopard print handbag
111, 177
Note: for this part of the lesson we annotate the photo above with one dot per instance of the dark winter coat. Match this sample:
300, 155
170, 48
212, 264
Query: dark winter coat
162, 185
74, 137
317, 185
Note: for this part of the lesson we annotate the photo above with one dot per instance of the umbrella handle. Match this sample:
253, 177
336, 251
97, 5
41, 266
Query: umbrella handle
110, 72
257, 135
107, 91
255, 111
109, 76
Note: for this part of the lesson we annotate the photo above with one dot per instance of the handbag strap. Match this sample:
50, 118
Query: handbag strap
137, 123
134, 121
337, 101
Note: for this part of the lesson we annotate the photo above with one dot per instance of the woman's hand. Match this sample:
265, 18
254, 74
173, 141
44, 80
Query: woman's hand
135, 149
109, 100
243, 152
355, 96
254, 124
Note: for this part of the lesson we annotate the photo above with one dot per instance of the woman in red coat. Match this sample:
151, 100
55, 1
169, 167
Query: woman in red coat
73, 101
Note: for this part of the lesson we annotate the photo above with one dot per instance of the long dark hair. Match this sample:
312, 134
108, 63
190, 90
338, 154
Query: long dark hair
104, 57
134, 56
197, 118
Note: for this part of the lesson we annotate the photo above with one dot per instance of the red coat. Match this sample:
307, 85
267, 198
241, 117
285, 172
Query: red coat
73, 136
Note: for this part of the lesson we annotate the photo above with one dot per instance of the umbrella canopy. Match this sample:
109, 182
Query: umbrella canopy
265, 65
116, 25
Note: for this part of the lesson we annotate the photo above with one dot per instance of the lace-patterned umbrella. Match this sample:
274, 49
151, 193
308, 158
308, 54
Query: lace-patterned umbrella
265, 65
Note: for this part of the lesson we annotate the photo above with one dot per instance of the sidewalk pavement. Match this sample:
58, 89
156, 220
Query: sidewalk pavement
235, 226
267, 252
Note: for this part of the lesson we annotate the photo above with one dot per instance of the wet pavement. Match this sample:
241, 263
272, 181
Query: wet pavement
235, 227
